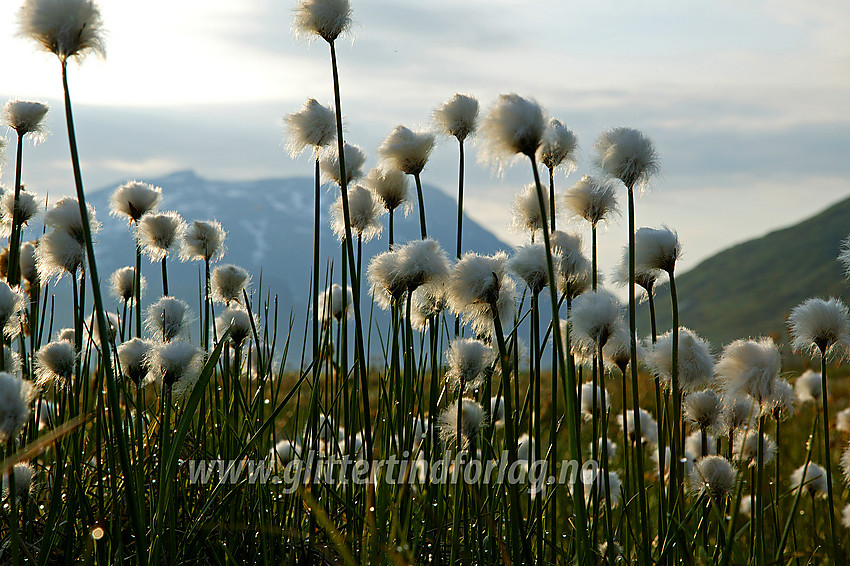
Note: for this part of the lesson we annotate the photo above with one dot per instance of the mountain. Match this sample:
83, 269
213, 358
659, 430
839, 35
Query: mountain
749, 289
269, 225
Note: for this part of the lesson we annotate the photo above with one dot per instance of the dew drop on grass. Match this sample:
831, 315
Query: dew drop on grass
97, 533
683, 460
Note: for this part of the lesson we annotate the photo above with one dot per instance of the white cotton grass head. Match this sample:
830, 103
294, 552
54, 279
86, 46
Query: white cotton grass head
694, 445
845, 516
497, 411
648, 426
168, 318
29, 270
331, 304
354, 160
312, 126
558, 147
177, 365
468, 360
203, 240
617, 351
66, 28
93, 329
845, 464
844, 256
513, 125
472, 420
12, 362
703, 409
122, 283
159, 233
26, 117
54, 363
16, 397
529, 264
572, 269
390, 186
385, 278
23, 474
364, 212
696, 364
524, 448
842, 420
592, 395
12, 304
66, 334
656, 249
713, 475
644, 277
813, 482
65, 216
134, 199
132, 357
626, 154
406, 150
423, 262
28, 207
739, 411
58, 253
525, 213
327, 19
592, 199
750, 366
239, 323
427, 302
820, 326
746, 446
603, 481
457, 117
287, 451
594, 318
809, 387
609, 445
782, 402
478, 282
227, 282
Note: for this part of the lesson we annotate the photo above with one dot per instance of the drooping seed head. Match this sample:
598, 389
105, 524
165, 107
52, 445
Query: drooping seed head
364, 212
158, 233
648, 426
312, 126
626, 154
123, 284
29, 270
168, 318
12, 304
513, 125
16, 397
203, 240
696, 364
476, 280
58, 253
132, 357
327, 19
746, 448
66, 28
177, 365
228, 281
592, 395
594, 318
558, 146
26, 117
354, 160
331, 304
390, 186
468, 359
135, 199
28, 207
656, 249
406, 150
715, 476
385, 279
93, 329
751, 367
820, 326
781, 404
55, 363
739, 411
644, 277
428, 301
457, 117
423, 262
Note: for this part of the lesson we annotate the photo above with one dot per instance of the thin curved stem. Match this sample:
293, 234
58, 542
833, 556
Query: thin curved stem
827, 459
422, 227
13, 275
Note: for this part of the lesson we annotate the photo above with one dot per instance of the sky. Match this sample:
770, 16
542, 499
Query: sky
746, 101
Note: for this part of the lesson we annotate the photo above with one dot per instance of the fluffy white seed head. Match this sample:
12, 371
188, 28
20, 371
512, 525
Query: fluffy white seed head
468, 359
842, 420
65, 216
592, 199
364, 212
845, 464
603, 481
820, 326
703, 409
12, 303
812, 478
12, 362
28, 207
327, 19
158, 233
739, 411
16, 396
390, 186
525, 213
406, 150
558, 146
480, 317
472, 419
746, 445
696, 364
25, 117
845, 516
457, 117
123, 281
177, 365
331, 304
354, 160
55, 363
497, 411
58, 253
626, 154
781, 404
203, 240
287, 451
809, 387
312, 126
609, 445
694, 445
476, 280
571, 267
648, 426
513, 125
656, 249
713, 475
385, 278
227, 282
594, 318
239, 323
168, 318
66, 28
423, 262
529, 264
617, 351
135, 199
428, 301
29, 270
132, 357
844, 256
592, 395
23, 473
751, 367
93, 330
644, 277
66, 334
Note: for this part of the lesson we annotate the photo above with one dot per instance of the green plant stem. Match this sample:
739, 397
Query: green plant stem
552, 215
780, 550
460, 201
315, 278
391, 223
644, 520
827, 458
137, 286
13, 275
114, 403
678, 451
422, 228
164, 277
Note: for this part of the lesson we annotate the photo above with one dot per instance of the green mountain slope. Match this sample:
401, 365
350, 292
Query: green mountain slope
749, 289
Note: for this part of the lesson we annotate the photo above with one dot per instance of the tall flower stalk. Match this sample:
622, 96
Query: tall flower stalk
408, 151
557, 149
